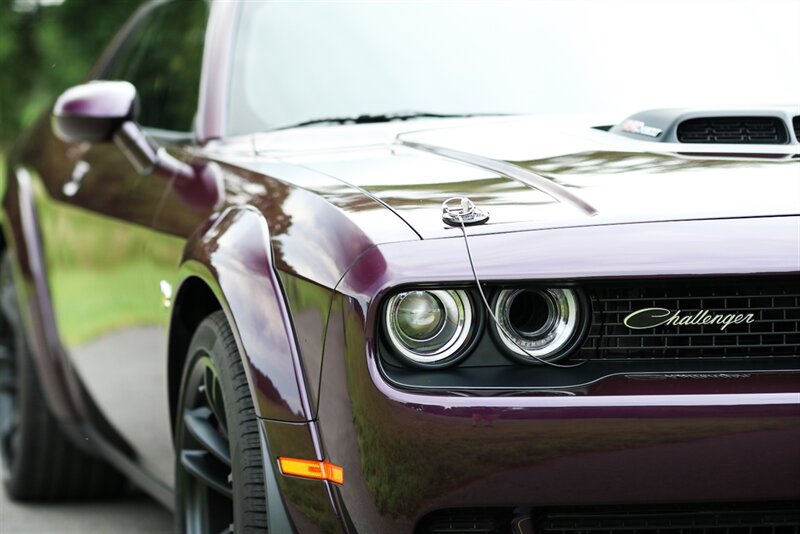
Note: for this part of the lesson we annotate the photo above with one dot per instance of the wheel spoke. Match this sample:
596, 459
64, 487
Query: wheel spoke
204, 468
194, 517
204, 453
198, 423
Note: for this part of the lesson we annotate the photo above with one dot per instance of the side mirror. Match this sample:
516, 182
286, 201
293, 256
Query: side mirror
93, 112
103, 111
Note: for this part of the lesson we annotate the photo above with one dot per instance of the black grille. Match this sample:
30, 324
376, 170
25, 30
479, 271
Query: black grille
774, 332
467, 521
796, 126
687, 523
744, 130
740, 519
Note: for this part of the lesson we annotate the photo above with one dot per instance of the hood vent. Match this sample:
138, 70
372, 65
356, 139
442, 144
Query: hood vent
739, 130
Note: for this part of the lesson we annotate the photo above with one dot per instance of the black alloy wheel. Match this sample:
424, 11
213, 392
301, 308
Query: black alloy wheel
219, 475
205, 455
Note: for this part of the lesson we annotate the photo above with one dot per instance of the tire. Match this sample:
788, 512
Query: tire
219, 474
39, 463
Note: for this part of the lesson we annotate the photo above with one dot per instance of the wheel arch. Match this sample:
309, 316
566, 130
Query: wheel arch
199, 295
229, 267
194, 301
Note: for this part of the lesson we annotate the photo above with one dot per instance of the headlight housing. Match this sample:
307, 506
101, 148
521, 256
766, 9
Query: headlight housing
429, 328
543, 322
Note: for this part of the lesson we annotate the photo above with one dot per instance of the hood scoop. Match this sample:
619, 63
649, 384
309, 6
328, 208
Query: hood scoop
763, 126
740, 130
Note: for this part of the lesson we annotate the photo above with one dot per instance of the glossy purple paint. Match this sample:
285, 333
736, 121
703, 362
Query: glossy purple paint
241, 250
97, 100
93, 112
313, 228
624, 183
233, 250
199, 185
690, 248
300, 234
21, 235
646, 458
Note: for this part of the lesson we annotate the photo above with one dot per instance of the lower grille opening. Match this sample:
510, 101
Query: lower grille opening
694, 523
733, 519
467, 521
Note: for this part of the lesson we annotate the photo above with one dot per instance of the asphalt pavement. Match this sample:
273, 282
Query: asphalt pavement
129, 515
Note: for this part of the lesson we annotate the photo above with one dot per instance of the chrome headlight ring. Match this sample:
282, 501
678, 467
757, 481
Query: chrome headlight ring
430, 328
537, 324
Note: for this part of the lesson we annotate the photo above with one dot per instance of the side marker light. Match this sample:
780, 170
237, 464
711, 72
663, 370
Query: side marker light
315, 469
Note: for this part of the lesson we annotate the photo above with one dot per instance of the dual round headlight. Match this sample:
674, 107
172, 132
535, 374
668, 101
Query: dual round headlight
433, 328
536, 324
429, 327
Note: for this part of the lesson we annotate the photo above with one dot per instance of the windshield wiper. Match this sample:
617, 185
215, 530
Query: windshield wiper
386, 117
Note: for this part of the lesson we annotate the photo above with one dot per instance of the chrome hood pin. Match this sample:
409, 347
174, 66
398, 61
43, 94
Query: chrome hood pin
461, 210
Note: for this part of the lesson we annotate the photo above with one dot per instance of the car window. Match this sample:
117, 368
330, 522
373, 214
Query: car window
162, 57
301, 61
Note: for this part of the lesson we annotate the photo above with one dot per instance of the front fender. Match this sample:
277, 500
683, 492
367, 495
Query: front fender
234, 259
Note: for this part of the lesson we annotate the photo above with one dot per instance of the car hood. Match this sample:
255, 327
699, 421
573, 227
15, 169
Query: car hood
534, 172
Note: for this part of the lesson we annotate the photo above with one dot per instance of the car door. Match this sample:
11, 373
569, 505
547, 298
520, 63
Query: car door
105, 266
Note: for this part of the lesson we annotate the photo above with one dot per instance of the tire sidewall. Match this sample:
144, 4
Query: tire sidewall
209, 341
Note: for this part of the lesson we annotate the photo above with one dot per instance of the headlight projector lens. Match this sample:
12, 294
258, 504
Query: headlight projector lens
540, 321
419, 315
429, 327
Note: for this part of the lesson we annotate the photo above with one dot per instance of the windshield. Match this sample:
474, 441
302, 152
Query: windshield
304, 61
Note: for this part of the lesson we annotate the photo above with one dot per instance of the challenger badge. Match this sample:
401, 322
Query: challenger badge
653, 317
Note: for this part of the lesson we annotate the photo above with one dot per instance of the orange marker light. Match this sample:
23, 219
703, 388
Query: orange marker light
316, 469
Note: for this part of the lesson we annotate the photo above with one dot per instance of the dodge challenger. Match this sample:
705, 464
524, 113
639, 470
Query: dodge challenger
414, 267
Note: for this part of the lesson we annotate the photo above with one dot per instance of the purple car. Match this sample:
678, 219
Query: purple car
390, 267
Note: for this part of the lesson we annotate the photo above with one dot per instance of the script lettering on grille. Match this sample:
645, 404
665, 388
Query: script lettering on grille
653, 317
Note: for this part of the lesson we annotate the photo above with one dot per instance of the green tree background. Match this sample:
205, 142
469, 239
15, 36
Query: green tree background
47, 46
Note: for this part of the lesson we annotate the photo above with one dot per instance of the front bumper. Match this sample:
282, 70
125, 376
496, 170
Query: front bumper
685, 442
407, 454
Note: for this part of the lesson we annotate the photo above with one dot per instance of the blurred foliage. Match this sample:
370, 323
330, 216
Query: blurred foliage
46, 47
